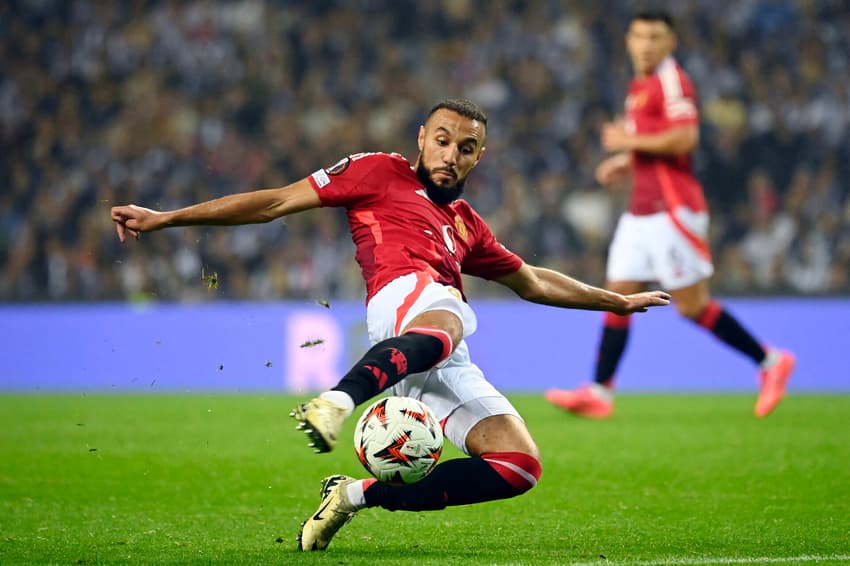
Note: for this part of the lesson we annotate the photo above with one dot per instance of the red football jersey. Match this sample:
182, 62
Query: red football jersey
656, 103
398, 230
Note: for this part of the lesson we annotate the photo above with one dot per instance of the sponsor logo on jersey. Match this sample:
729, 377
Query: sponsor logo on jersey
447, 237
321, 178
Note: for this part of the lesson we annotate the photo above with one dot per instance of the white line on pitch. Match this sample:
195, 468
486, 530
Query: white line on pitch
729, 560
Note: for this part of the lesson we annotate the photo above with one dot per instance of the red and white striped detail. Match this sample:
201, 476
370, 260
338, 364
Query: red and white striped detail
439, 334
517, 468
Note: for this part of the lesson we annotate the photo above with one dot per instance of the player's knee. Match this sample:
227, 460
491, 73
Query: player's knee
689, 311
697, 311
446, 342
520, 470
445, 321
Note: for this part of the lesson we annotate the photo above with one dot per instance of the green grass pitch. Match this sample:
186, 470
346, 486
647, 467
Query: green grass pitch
217, 479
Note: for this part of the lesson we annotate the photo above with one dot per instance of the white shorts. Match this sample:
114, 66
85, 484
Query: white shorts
653, 248
456, 389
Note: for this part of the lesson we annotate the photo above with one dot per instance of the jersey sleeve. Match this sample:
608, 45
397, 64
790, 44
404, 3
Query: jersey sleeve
488, 258
679, 102
349, 182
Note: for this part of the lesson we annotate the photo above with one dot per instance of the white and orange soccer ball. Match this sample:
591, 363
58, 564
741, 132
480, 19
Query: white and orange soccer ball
398, 440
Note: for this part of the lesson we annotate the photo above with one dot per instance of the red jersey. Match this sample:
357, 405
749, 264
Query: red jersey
398, 230
656, 103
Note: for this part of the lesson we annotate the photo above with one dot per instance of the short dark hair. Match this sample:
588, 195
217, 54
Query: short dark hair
461, 106
654, 16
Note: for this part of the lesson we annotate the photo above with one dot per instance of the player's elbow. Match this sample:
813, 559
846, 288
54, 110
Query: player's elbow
685, 141
533, 287
534, 292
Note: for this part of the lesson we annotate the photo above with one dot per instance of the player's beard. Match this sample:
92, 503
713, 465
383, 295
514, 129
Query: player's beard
439, 195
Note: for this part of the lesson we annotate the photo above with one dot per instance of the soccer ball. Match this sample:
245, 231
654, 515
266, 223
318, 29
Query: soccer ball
398, 440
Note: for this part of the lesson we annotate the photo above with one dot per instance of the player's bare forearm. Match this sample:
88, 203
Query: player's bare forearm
675, 141
679, 140
243, 208
549, 287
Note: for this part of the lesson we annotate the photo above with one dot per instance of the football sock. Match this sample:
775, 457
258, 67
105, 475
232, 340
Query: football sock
491, 476
340, 398
390, 360
355, 492
771, 357
719, 322
615, 336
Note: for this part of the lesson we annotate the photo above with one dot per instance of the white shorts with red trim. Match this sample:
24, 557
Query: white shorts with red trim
657, 247
456, 389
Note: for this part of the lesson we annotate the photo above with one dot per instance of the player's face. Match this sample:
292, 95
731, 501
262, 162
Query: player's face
450, 145
648, 43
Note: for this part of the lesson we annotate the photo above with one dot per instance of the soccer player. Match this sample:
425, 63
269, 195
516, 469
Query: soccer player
663, 235
414, 237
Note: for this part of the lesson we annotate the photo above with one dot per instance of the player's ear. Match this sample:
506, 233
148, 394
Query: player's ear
420, 141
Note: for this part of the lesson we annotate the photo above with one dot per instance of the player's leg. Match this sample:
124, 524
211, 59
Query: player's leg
427, 341
775, 366
414, 324
694, 302
629, 266
503, 459
684, 266
478, 419
615, 336
595, 400
504, 462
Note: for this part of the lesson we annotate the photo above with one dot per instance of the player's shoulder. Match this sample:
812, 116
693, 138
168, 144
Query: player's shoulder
670, 70
380, 158
358, 166
368, 160
672, 80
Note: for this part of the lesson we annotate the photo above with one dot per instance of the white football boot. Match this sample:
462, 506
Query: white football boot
322, 421
334, 511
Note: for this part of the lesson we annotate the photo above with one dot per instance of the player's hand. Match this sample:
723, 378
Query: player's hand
615, 137
640, 302
613, 169
134, 220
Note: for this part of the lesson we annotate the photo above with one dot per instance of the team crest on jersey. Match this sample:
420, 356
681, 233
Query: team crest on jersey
339, 166
460, 227
635, 101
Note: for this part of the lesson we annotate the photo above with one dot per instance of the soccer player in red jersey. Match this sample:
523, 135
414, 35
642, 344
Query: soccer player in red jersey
663, 235
414, 237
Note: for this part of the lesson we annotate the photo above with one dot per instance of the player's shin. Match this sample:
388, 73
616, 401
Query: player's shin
726, 328
390, 360
491, 476
615, 336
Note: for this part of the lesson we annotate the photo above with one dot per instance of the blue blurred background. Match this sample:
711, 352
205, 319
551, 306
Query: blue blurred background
166, 103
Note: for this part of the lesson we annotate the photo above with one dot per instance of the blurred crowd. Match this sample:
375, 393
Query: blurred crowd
166, 103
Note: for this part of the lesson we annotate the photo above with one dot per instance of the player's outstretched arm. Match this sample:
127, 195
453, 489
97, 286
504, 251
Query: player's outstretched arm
548, 287
242, 208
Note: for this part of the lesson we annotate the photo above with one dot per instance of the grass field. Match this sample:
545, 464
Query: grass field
206, 479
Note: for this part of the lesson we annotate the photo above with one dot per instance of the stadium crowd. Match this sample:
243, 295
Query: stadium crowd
166, 103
